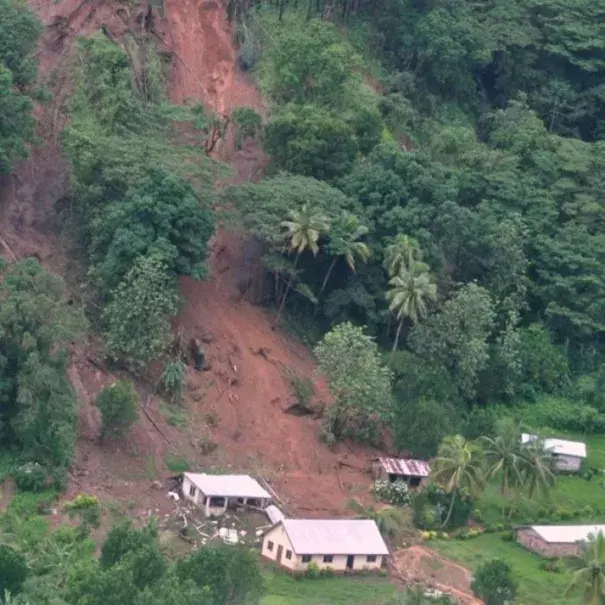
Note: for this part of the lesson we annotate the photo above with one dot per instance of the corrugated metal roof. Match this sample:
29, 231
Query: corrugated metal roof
405, 466
275, 515
229, 486
335, 537
559, 446
567, 534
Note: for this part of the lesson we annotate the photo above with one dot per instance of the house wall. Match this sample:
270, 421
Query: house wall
567, 463
527, 537
339, 563
199, 499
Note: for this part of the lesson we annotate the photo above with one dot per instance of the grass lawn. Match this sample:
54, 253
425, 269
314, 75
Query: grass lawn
536, 586
282, 589
571, 492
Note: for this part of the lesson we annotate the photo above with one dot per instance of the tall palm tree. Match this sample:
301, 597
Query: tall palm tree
303, 230
410, 291
589, 571
344, 242
536, 468
401, 255
458, 466
504, 454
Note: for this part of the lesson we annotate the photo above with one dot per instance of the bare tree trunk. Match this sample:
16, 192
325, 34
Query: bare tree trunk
396, 343
283, 300
451, 509
282, 6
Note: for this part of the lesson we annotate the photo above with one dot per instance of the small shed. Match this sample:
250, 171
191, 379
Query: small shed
340, 544
567, 455
215, 493
556, 540
413, 472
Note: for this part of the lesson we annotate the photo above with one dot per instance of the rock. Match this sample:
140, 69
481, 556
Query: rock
157, 485
197, 353
207, 338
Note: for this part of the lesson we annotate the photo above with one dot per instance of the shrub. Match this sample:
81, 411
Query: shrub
173, 379
396, 493
430, 508
312, 570
31, 478
119, 408
494, 583
13, 570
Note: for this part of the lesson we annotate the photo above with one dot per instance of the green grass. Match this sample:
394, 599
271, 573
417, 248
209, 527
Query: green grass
176, 463
282, 589
571, 492
536, 586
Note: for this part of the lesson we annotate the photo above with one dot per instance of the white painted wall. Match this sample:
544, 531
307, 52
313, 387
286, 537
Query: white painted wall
278, 536
567, 463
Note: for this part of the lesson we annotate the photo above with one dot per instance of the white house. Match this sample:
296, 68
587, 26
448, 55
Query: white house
341, 544
216, 492
567, 455
556, 540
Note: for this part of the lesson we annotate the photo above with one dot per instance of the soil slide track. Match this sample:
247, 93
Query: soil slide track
247, 389
418, 564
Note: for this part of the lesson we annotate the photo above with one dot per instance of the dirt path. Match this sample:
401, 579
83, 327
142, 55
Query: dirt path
418, 564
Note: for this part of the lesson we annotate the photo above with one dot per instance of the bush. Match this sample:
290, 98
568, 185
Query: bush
396, 493
494, 583
31, 478
564, 415
13, 570
430, 508
312, 571
119, 407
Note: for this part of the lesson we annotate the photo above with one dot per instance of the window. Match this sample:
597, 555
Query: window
328, 558
371, 558
269, 545
305, 558
217, 501
192, 490
288, 554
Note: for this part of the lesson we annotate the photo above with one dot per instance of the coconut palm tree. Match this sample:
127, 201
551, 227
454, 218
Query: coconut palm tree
589, 571
536, 468
504, 454
409, 294
344, 242
303, 230
401, 254
458, 466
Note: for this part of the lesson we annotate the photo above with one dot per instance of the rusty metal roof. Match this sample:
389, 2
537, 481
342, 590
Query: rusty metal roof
404, 466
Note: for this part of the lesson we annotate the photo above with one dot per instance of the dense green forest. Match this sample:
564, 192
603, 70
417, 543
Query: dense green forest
431, 221
443, 165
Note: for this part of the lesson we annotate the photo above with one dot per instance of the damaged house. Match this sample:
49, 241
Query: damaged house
216, 493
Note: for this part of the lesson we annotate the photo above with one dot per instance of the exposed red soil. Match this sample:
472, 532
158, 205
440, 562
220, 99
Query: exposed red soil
247, 388
418, 564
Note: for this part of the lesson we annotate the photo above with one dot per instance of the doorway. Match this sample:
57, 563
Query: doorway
280, 550
350, 561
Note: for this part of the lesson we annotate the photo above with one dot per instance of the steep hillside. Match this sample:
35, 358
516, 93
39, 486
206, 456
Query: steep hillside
246, 390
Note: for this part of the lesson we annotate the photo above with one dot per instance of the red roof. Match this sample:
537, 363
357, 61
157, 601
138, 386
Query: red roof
402, 466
